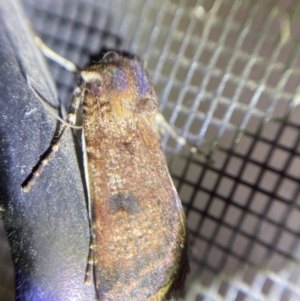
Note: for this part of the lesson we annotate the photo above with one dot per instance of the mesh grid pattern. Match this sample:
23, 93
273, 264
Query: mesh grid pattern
227, 74
249, 284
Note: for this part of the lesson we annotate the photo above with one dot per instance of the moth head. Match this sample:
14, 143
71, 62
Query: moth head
123, 81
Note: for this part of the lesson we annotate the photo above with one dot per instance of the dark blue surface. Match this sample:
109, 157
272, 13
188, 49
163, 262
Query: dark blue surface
47, 228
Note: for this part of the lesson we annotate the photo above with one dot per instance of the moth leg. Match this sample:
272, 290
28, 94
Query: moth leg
90, 262
56, 142
164, 126
52, 55
90, 266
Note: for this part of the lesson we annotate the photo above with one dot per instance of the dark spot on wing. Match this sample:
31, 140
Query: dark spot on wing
123, 201
129, 147
112, 164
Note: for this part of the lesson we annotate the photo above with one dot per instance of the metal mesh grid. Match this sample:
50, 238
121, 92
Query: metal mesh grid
227, 76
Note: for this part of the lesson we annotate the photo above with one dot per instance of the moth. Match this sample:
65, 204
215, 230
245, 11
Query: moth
138, 241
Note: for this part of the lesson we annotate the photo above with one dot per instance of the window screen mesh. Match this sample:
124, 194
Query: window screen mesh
227, 76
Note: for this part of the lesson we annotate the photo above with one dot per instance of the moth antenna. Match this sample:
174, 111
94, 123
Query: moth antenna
50, 109
30, 181
69, 122
52, 55
164, 126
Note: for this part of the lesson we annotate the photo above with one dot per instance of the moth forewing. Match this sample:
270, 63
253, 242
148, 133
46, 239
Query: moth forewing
137, 219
